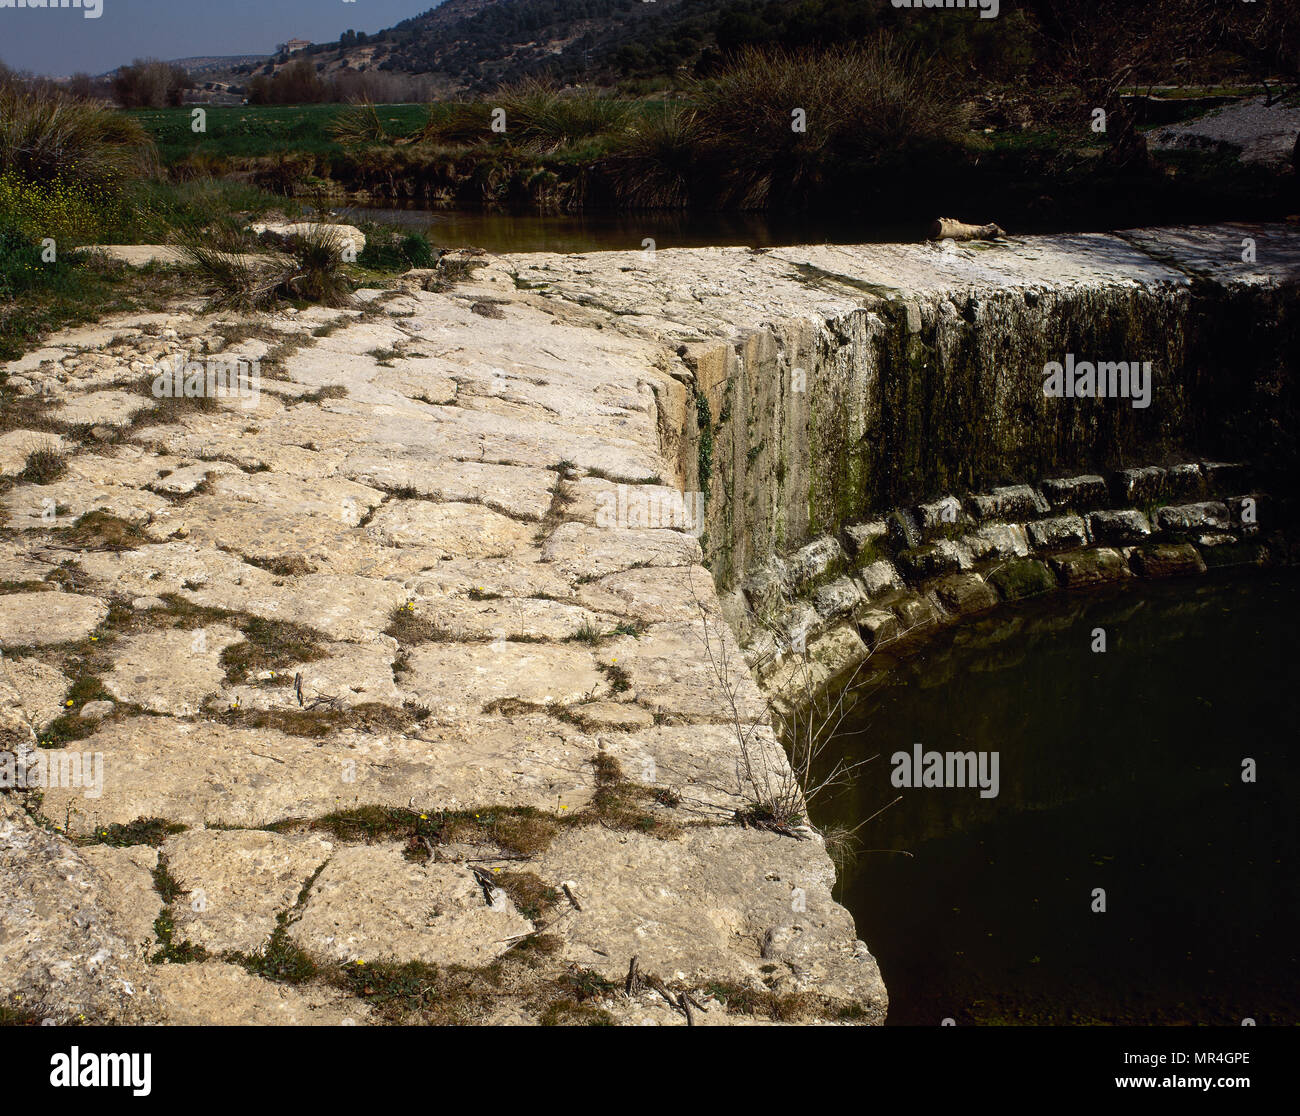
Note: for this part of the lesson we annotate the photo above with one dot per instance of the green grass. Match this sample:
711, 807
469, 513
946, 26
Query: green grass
243, 131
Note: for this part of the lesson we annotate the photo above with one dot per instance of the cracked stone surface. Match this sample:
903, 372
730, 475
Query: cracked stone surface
237, 882
370, 902
170, 671
41, 619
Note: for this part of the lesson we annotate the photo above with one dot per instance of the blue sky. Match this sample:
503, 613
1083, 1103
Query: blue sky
60, 42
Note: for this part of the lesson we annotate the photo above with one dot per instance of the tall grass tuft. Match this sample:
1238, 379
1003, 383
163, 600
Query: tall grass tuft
47, 134
656, 159
866, 107
541, 116
243, 276
453, 123
358, 125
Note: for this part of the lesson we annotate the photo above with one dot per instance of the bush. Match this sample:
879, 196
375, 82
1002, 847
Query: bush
46, 135
148, 83
310, 269
540, 115
656, 161
296, 84
865, 107
66, 211
387, 250
21, 266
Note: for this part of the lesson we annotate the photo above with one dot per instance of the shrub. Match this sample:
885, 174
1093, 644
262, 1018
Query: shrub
655, 164
388, 250
311, 268
46, 134
22, 269
148, 83
866, 107
69, 212
543, 117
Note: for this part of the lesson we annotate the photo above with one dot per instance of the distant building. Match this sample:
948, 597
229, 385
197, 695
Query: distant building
293, 46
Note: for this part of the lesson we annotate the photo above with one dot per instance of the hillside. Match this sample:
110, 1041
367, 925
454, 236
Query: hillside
474, 45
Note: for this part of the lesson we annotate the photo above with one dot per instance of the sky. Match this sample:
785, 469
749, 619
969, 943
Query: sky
60, 42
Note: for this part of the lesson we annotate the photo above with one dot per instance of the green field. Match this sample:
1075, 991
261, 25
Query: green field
235, 131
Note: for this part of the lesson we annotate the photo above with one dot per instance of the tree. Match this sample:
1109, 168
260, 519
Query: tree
148, 83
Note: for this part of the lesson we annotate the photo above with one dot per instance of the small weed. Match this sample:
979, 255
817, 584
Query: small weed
44, 466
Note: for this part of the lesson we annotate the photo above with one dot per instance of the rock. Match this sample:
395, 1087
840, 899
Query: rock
32, 690
465, 678
370, 904
838, 598
902, 529
934, 560
1077, 493
1020, 579
812, 562
652, 594
236, 882
1119, 528
63, 956
835, 651
693, 910
1061, 532
201, 773
1168, 560
596, 715
350, 675
521, 618
17, 445
997, 540
1086, 568
878, 627
1018, 501
107, 408
579, 551
128, 892
215, 994
96, 710
345, 234
1221, 475
864, 540
1183, 482
1194, 517
47, 619
670, 671
170, 671
1138, 486
765, 591
965, 593
1234, 553
879, 577
940, 515
916, 614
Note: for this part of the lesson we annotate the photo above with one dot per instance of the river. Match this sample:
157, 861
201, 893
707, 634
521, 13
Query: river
1119, 770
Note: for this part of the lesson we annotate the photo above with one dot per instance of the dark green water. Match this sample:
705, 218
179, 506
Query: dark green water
1120, 770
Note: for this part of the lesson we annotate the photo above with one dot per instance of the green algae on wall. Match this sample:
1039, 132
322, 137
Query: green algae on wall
906, 399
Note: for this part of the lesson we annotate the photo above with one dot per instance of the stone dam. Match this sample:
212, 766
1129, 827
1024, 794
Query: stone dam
462, 647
